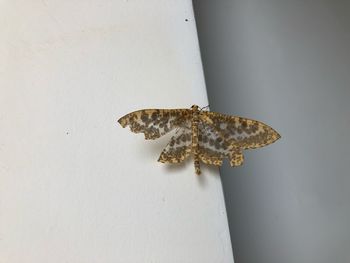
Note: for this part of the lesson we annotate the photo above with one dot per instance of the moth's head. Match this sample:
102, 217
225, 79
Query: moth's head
194, 107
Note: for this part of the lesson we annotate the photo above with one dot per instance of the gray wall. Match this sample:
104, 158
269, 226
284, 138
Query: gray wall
286, 63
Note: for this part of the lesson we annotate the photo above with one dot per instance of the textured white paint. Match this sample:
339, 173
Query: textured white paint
75, 186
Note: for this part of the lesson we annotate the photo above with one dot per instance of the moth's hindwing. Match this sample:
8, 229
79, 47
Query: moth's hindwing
179, 147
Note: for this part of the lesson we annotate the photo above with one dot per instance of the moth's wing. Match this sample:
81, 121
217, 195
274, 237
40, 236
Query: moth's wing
242, 133
179, 147
213, 148
154, 123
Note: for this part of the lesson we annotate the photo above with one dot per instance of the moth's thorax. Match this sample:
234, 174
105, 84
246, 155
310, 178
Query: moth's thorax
195, 113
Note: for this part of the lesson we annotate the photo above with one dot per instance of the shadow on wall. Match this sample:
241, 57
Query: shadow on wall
287, 64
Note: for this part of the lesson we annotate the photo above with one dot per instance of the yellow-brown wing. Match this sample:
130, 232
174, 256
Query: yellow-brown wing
154, 123
179, 147
243, 133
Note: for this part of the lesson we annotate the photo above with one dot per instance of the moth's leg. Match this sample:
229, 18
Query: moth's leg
236, 158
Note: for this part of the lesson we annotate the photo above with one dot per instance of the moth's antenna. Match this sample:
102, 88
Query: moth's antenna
206, 107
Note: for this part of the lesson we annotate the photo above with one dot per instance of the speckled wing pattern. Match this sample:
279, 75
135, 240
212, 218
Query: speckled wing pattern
209, 136
213, 148
154, 123
225, 136
179, 147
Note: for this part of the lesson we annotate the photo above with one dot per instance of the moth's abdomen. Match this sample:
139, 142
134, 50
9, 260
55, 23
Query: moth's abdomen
195, 148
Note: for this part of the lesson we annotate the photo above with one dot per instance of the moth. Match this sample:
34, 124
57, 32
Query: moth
209, 136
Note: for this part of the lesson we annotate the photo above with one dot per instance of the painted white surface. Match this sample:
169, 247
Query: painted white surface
74, 185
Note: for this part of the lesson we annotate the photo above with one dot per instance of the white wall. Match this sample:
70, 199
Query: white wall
75, 186
286, 63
